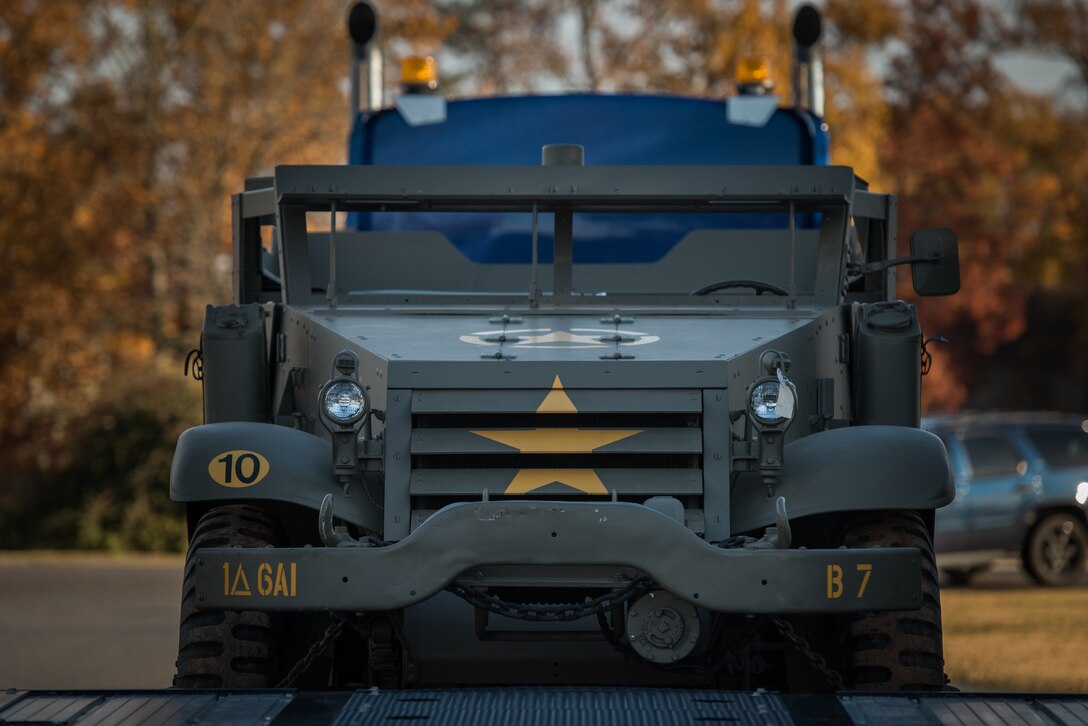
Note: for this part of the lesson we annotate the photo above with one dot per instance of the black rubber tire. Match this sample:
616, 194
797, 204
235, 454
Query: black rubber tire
1055, 551
228, 649
901, 650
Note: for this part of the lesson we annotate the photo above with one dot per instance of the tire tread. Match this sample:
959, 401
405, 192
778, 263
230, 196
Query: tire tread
894, 650
227, 649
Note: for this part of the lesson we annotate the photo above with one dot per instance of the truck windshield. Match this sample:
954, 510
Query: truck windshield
688, 246
752, 247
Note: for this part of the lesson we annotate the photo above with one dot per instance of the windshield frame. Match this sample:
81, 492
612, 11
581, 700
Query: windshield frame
562, 191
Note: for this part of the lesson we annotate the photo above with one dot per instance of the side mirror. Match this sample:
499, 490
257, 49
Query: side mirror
935, 268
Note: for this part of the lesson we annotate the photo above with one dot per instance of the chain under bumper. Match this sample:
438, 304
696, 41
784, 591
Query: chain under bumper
467, 535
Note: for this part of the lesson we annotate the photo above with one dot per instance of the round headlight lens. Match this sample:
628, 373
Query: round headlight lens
344, 402
764, 402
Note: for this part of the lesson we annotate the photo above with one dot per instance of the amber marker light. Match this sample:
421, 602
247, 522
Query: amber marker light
419, 73
754, 76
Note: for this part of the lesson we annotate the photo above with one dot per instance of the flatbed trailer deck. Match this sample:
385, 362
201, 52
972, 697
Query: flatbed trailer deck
543, 705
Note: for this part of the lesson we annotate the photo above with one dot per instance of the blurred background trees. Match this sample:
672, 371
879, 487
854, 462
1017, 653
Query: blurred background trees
126, 124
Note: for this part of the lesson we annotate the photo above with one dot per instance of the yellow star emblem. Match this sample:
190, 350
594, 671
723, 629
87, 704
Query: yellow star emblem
557, 441
584, 480
557, 400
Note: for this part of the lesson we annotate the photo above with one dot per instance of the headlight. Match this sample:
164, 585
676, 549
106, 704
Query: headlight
771, 401
344, 402
764, 402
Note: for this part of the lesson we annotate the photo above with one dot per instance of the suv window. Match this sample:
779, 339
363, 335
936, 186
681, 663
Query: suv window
1061, 446
992, 455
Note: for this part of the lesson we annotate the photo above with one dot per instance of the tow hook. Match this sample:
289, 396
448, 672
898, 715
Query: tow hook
776, 537
782, 525
779, 536
332, 535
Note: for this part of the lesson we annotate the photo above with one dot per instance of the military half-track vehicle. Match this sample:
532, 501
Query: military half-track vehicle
417, 469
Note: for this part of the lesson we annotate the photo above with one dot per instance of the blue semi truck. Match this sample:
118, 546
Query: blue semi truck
422, 127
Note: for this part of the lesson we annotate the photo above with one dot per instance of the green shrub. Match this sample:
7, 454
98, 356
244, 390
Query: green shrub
113, 492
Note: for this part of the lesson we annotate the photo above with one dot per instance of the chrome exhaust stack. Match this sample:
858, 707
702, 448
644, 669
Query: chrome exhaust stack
363, 28
808, 60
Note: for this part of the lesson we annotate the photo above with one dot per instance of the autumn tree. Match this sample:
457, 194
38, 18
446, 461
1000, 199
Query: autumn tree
1043, 369
125, 126
967, 149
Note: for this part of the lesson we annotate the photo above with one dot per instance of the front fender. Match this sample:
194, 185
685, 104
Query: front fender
854, 468
241, 460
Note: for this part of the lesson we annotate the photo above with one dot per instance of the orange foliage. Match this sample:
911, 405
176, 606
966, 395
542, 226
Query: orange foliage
967, 150
123, 128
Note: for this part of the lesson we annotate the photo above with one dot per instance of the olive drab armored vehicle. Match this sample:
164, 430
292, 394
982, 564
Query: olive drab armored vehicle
565, 423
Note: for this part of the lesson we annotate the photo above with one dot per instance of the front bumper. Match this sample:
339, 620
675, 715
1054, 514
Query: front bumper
461, 537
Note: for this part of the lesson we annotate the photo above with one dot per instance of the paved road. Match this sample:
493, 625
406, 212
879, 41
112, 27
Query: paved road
88, 622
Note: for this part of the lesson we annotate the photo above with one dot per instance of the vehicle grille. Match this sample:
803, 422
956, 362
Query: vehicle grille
625, 442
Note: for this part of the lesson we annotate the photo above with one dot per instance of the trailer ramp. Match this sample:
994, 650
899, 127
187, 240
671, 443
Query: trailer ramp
537, 706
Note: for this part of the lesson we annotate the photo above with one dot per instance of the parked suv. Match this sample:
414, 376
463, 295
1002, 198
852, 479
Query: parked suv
1021, 488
